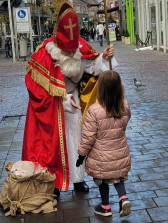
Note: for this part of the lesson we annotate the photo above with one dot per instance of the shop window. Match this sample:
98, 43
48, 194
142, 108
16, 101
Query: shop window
153, 25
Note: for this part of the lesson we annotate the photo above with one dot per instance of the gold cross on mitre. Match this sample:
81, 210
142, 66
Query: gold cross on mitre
70, 26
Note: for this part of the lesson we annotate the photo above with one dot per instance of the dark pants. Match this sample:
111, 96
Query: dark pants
104, 191
101, 40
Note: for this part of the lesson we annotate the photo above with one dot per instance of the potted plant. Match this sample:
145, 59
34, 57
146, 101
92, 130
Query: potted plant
127, 37
123, 36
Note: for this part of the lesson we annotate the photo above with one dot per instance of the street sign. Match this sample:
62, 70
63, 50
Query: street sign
22, 15
22, 19
112, 33
22, 27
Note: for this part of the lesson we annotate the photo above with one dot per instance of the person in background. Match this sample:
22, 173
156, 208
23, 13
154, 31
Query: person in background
92, 33
100, 32
8, 47
104, 142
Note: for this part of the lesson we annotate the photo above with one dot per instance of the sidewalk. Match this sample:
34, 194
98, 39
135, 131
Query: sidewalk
147, 186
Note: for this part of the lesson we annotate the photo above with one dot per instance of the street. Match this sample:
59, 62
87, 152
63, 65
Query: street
147, 186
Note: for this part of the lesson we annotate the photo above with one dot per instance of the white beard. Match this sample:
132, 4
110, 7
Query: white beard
70, 66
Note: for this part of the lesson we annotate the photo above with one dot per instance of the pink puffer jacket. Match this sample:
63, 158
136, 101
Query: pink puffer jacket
104, 143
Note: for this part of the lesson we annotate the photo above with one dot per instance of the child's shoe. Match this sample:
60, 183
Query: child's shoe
102, 211
124, 207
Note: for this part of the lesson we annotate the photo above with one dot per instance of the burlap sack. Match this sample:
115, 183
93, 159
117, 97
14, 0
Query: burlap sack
34, 193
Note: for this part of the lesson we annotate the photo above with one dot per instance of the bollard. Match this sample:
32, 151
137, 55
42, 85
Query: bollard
137, 45
23, 48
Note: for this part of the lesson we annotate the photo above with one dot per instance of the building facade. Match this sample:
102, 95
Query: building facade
152, 15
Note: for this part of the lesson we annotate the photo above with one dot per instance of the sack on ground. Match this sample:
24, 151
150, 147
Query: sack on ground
27, 191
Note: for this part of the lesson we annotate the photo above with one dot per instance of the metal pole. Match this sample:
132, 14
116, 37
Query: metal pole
107, 31
11, 30
39, 20
137, 40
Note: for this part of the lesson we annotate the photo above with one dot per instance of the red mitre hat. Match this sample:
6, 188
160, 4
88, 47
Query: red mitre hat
66, 31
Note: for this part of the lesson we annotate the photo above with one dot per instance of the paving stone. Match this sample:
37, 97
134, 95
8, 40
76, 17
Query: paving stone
142, 165
163, 192
93, 193
156, 150
161, 221
10, 219
5, 144
161, 201
16, 145
162, 162
160, 169
158, 214
165, 154
138, 142
41, 217
4, 149
3, 155
141, 195
147, 157
153, 176
132, 178
146, 186
66, 196
135, 153
6, 137
154, 146
80, 220
1, 163
140, 171
71, 205
139, 216
75, 213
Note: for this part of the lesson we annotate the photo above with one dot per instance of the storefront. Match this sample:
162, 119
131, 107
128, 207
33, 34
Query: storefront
152, 16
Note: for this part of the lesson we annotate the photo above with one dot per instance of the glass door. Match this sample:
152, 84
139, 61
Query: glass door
153, 25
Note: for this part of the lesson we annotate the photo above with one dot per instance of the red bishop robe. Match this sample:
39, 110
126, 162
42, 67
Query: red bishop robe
44, 136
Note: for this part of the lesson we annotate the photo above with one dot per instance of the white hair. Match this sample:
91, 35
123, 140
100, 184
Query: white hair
70, 66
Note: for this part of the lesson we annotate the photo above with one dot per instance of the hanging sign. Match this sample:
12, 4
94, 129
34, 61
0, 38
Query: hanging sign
112, 33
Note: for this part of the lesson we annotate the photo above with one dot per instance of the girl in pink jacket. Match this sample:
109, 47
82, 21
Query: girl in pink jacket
104, 142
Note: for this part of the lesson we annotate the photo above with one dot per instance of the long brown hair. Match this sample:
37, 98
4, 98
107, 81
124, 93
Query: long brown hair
110, 93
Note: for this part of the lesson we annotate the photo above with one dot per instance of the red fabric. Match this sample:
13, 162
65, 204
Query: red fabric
42, 134
42, 62
66, 30
87, 50
41, 137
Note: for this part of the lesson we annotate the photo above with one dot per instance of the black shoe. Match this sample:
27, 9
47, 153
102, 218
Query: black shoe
57, 192
124, 207
101, 211
82, 186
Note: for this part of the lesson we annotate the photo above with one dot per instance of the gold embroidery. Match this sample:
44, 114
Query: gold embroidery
40, 66
70, 26
45, 83
57, 81
47, 72
62, 145
97, 56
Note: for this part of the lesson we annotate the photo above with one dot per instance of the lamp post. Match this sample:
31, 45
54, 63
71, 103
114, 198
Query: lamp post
11, 30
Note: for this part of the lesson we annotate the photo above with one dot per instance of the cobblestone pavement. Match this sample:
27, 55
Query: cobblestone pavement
147, 186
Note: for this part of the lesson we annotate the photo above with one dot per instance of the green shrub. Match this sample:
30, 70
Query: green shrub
123, 32
127, 33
